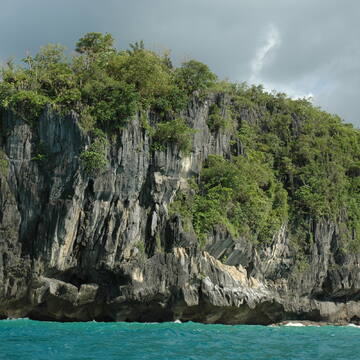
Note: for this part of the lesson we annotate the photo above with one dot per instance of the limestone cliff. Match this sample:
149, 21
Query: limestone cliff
76, 247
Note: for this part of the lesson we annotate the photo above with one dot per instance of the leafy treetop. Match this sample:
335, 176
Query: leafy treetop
101, 82
94, 43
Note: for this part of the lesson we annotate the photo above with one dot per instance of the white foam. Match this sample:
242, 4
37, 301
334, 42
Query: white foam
294, 324
353, 325
177, 321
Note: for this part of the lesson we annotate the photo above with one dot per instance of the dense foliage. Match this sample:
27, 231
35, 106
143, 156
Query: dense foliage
101, 82
94, 157
290, 162
219, 118
173, 132
106, 87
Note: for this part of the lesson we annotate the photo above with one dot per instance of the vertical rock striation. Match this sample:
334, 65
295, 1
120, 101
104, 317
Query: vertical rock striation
75, 247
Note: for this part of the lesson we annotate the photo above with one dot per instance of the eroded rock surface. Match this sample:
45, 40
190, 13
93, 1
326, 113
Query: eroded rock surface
75, 247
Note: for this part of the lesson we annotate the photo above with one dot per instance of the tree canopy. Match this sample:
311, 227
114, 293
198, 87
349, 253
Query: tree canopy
290, 161
100, 81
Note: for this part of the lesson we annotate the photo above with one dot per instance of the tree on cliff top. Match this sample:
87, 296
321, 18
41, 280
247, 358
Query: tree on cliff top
94, 43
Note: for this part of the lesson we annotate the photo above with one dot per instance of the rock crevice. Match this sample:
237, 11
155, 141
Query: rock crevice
75, 247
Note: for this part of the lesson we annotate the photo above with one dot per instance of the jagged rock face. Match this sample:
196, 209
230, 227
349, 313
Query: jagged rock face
76, 248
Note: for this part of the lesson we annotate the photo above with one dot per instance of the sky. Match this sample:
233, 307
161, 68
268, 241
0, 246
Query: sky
300, 47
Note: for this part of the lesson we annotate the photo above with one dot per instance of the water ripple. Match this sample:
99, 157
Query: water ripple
26, 339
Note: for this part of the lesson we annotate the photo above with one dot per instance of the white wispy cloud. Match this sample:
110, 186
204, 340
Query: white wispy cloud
272, 41
264, 54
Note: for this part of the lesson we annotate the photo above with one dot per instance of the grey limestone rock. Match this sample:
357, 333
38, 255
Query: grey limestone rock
75, 247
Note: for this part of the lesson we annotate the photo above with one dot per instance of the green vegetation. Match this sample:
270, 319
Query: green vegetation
94, 158
106, 87
290, 161
173, 132
141, 247
102, 82
217, 120
195, 76
4, 164
241, 195
28, 103
39, 152
311, 152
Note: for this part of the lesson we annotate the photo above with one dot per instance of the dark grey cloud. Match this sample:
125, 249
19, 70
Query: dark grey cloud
300, 47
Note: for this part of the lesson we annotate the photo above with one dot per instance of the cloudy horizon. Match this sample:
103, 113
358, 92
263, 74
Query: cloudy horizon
304, 48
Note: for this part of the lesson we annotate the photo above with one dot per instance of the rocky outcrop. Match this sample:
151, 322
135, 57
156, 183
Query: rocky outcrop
75, 247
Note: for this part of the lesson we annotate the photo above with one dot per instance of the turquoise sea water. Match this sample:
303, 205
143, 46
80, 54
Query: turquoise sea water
25, 339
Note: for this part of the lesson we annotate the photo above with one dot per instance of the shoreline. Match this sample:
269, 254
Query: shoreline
285, 323
300, 323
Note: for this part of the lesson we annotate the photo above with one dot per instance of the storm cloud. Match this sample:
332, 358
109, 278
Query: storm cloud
301, 47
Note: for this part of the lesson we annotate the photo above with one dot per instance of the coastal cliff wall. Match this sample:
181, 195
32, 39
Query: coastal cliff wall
77, 247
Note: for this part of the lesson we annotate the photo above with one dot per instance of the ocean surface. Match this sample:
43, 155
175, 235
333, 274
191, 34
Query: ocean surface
25, 339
